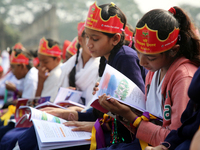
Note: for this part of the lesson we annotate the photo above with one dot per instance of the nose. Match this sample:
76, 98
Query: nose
88, 43
142, 59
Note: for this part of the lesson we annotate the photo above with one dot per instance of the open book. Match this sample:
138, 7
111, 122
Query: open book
119, 87
65, 98
33, 102
50, 131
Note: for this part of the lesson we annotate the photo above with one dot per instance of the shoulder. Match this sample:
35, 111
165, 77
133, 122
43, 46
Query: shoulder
183, 68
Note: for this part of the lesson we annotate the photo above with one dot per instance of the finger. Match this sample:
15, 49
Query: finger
78, 129
97, 84
70, 123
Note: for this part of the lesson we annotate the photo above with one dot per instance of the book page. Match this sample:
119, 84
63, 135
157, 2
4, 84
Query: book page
51, 134
67, 94
41, 115
119, 87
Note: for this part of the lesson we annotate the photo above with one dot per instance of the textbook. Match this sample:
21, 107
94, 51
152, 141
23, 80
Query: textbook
50, 131
68, 97
65, 98
121, 88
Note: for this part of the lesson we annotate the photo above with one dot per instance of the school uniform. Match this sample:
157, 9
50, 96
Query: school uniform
174, 100
30, 83
11, 78
85, 77
50, 84
29, 90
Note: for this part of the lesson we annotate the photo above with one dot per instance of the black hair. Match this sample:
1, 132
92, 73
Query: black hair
27, 54
109, 10
72, 81
165, 22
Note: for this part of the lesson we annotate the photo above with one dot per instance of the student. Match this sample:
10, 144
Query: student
181, 138
81, 70
22, 67
105, 42
49, 71
168, 48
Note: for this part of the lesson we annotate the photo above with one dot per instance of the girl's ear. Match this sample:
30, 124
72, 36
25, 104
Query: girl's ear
116, 39
174, 50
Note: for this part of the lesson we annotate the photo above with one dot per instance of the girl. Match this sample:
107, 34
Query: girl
106, 42
168, 48
49, 71
81, 70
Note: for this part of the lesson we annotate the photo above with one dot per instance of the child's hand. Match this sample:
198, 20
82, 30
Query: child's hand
43, 73
80, 125
61, 113
10, 86
116, 107
95, 89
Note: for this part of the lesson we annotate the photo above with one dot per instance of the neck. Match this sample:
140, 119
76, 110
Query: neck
85, 58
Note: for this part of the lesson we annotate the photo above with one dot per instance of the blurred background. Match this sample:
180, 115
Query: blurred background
27, 21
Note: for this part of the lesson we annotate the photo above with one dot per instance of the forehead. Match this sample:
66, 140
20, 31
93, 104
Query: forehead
42, 57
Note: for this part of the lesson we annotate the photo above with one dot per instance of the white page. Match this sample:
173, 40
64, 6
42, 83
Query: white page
67, 94
41, 115
50, 132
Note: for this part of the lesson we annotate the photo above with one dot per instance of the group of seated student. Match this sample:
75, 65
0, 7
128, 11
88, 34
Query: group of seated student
161, 56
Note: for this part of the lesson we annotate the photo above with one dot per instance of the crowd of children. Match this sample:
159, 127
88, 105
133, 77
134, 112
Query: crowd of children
161, 56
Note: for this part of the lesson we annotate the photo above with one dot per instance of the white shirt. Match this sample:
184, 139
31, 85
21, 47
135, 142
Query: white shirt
30, 83
154, 97
85, 77
50, 87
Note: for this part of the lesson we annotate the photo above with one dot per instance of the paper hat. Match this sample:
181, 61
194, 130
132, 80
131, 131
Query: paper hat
80, 28
36, 61
65, 45
96, 22
18, 46
72, 49
46, 50
148, 42
128, 34
19, 59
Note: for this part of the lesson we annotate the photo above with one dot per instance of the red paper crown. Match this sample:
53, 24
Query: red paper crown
128, 34
36, 61
18, 46
95, 22
148, 42
65, 45
46, 50
80, 28
72, 49
19, 59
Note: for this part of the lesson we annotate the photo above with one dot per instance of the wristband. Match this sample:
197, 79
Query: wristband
136, 121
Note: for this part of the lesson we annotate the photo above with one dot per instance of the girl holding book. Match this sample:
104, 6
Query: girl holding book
169, 49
